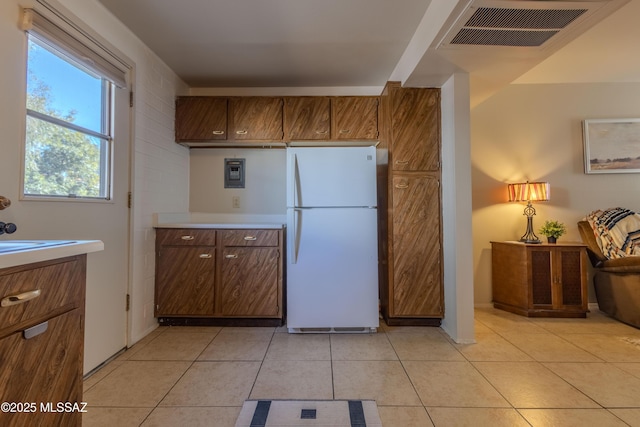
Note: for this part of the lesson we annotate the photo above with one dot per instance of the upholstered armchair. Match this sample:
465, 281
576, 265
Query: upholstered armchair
616, 281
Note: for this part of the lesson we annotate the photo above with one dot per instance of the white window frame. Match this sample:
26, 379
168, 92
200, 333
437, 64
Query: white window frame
81, 49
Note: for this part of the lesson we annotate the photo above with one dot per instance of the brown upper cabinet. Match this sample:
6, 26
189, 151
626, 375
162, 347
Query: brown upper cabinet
201, 118
307, 118
256, 118
209, 119
415, 127
354, 117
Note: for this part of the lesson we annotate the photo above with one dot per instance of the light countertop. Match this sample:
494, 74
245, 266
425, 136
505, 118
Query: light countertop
213, 220
44, 250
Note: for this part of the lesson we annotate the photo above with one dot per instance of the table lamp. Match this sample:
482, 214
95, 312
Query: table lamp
528, 192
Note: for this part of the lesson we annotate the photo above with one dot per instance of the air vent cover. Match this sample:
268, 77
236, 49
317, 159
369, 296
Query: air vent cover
493, 17
502, 37
517, 23
514, 27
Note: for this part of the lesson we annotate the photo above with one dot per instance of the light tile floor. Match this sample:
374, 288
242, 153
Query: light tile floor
521, 372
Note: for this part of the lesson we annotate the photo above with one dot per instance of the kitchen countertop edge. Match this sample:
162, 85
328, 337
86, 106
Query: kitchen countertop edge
220, 225
32, 255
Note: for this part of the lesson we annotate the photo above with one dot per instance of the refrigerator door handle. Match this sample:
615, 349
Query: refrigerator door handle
294, 179
296, 220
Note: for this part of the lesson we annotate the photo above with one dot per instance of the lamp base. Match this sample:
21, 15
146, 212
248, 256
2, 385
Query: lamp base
535, 242
529, 236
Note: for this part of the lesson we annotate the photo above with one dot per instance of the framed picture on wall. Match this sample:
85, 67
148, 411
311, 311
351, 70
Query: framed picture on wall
611, 145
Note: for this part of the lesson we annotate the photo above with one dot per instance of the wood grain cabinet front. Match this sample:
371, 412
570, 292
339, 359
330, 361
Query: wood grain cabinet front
417, 273
540, 280
42, 342
415, 129
185, 280
256, 118
251, 273
307, 118
201, 118
354, 118
409, 207
237, 276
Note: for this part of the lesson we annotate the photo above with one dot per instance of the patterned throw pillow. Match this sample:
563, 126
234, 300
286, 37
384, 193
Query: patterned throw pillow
617, 231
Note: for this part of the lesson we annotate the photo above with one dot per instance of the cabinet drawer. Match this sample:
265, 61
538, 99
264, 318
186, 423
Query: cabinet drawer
43, 367
185, 236
250, 237
33, 295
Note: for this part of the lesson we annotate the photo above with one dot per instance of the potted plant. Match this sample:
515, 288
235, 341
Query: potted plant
553, 230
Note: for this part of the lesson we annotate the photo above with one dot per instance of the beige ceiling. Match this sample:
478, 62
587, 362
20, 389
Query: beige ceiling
362, 43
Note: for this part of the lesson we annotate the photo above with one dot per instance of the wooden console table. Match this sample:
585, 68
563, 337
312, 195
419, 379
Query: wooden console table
540, 280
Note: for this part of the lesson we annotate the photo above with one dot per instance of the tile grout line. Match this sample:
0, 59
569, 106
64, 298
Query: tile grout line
179, 378
413, 386
264, 357
116, 358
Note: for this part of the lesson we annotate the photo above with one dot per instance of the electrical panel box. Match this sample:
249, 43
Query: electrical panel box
234, 173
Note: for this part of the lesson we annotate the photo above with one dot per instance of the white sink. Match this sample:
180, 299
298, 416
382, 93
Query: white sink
23, 245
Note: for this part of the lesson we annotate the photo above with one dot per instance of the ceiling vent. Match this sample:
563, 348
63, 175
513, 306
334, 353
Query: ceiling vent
515, 23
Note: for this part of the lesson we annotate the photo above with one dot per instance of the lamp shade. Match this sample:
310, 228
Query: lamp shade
529, 191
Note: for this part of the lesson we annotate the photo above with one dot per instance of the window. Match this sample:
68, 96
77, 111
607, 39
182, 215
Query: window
68, 130
72, 78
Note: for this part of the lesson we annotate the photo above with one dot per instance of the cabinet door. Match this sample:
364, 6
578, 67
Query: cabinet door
355, 117
417, 279
257, 118
415, 118
44, 368
250, 282
185, 278
571, 274
541, 277
307, 118
558, 278
201, 118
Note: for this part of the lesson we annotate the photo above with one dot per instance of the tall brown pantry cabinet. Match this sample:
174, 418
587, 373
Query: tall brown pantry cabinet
411, 283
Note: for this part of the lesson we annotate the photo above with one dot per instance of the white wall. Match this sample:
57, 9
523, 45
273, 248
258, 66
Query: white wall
265, 181
456, 209
160, 167
534, 132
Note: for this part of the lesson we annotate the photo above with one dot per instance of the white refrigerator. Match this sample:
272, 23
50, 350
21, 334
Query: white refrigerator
332, 242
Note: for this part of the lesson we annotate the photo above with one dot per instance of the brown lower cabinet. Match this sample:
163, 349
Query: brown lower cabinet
540, 280
42, 343
219, 276
416, 288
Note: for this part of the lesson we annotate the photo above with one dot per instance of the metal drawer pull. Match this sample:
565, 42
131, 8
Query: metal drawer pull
402, 162
241, 132
249, 238
205, 256
322, 132
402, 185
231, 256
218, 132
187, 237
34, 331
345, 131
20, 298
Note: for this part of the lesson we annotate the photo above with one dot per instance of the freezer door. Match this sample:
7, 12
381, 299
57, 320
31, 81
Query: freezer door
331, 176
332, 268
